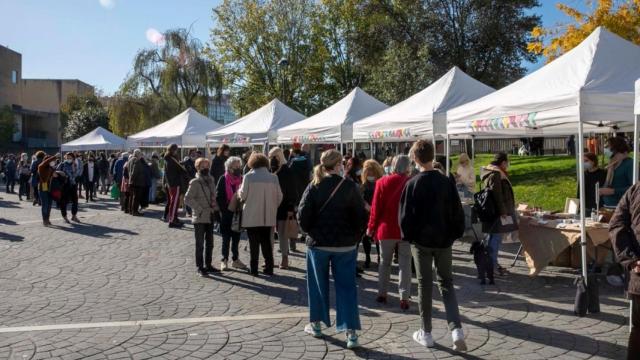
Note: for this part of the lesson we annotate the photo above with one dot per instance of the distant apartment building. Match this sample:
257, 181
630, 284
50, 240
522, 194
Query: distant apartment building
35, 103
220, 110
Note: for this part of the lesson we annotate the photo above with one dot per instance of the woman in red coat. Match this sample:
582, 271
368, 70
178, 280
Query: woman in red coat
383, 226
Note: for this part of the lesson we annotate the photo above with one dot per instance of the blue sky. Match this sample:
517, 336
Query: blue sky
95, 40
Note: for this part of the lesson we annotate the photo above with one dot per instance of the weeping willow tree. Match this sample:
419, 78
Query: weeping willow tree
164, 81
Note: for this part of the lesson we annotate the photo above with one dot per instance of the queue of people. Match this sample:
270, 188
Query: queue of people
409, 208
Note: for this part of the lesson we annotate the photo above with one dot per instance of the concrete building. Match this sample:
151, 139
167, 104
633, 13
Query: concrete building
35, 103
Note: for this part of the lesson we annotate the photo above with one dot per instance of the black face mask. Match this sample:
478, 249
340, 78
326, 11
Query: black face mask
236, 172
204, 172
275, 164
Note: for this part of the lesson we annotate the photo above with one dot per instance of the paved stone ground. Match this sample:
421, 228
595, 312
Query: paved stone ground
119, 287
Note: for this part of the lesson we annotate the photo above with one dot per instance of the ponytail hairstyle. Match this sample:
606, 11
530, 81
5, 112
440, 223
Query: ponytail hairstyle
328, 161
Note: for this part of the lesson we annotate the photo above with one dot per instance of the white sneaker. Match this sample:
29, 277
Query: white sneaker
224, 266
424, 338
237, 264
313, 329
458, 340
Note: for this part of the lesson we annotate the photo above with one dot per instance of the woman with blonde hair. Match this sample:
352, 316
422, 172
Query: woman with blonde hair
332, 213
465, 175
371, 172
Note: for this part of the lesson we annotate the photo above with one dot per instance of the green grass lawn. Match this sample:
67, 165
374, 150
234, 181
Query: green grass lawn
544, 181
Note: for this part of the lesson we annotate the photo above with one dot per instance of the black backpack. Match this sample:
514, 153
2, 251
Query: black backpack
485, 206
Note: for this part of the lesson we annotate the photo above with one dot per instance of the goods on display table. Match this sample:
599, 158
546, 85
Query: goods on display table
549, 238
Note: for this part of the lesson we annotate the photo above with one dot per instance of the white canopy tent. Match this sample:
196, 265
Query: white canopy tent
591, 84
423, 115
259, 127
335, 123
97, 139
186, 129
590, 88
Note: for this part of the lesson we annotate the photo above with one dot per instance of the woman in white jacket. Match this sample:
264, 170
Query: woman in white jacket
261, 195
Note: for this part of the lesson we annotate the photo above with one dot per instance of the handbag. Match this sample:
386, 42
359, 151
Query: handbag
235, 203
291, 226
236, 221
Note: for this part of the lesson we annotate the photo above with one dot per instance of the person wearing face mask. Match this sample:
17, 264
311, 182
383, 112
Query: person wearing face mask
46, 170
619, 171
333, 215
371, 172
286, 179
90, 177
201, 198
35, 178
70, 192
226, 188
495, 177
592, 175
384, 227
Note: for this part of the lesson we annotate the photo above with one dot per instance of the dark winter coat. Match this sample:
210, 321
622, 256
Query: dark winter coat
624, 232
431, 214
343, 219
502, 193
174, 172
217, 167
289, 192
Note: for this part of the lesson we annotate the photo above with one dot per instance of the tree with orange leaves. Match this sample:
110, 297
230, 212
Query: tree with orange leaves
619, 17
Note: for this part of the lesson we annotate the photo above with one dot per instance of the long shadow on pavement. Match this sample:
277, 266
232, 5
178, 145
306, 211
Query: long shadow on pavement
94, 230
10, 237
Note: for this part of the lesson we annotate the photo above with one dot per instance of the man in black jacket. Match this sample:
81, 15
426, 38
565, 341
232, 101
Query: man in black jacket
431, 218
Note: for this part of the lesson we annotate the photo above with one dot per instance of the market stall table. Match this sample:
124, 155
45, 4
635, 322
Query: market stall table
542, 242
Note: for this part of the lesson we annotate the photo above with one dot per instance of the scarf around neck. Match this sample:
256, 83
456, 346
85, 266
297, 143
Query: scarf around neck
614, 162
232, 184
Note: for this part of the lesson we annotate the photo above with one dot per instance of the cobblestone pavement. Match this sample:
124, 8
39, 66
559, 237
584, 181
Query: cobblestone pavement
118, 287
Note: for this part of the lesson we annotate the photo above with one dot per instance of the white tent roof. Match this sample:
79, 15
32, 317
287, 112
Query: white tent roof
98, 139
258, 127
592, 83
637, 107
185, 129
418, 115
335, 123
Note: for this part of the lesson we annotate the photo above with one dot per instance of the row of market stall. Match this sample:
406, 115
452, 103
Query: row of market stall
590, 89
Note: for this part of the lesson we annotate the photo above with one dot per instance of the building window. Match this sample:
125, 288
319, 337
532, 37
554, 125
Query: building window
14, 77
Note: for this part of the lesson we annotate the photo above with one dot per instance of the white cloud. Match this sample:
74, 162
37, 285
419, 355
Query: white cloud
155, 37
108, 4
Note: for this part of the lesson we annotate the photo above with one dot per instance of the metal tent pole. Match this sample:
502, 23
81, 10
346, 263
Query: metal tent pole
583, 230
636, 146
447, 153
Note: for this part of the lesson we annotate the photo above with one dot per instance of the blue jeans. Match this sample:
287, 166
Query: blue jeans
152, 191
45, 199
495, 240
343, 268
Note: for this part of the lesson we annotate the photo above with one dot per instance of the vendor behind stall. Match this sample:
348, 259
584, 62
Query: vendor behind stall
592, 175
619, 171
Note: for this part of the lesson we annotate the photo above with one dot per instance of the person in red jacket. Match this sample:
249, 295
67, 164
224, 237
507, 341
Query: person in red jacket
384, 227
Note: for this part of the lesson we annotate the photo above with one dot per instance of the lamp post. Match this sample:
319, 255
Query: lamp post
282, 65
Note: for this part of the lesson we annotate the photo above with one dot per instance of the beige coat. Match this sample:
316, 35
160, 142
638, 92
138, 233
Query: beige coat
201, 198
261, 195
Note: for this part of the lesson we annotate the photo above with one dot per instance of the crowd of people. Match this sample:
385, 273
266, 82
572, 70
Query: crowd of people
408, 208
